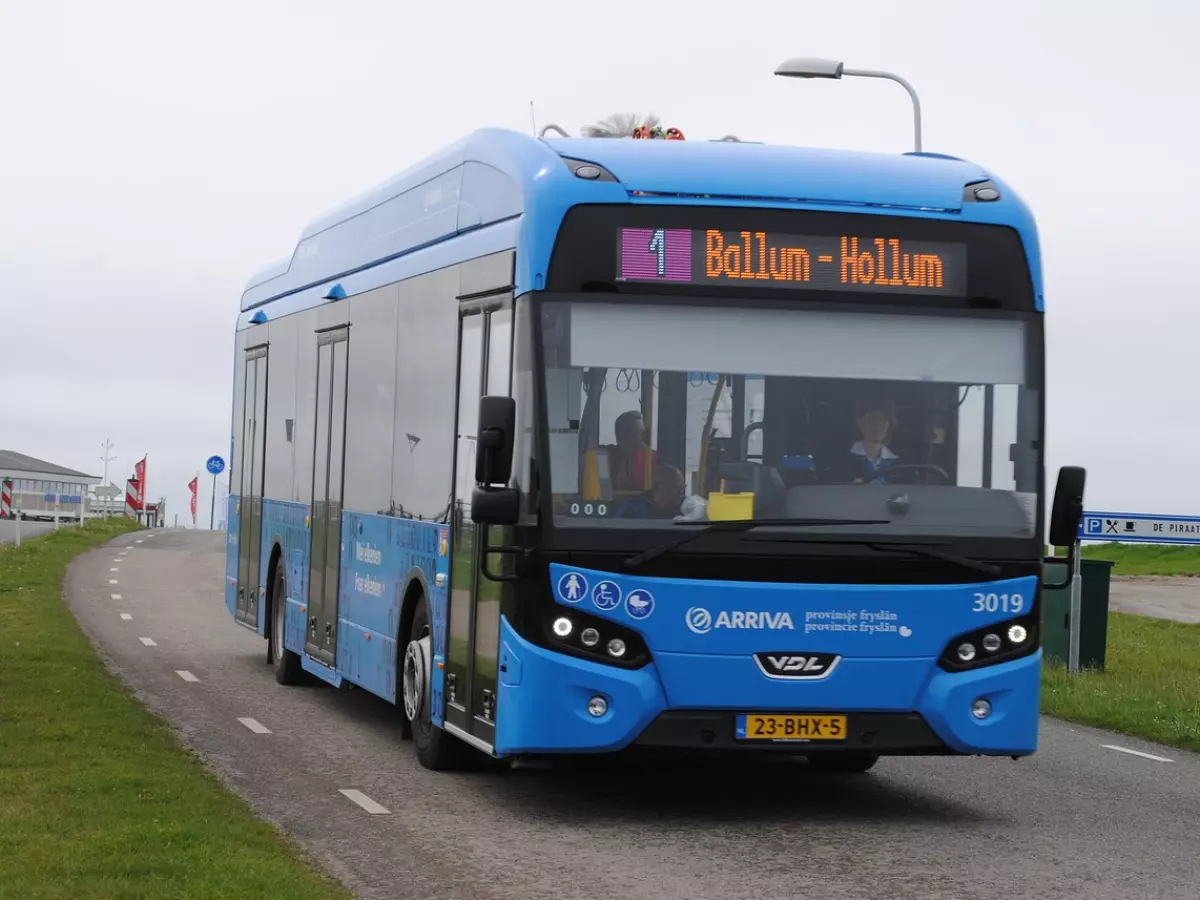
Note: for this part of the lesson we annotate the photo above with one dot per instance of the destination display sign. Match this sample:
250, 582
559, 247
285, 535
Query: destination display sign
829, 262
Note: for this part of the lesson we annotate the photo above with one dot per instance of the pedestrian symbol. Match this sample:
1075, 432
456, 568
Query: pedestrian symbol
572, 587
606, 595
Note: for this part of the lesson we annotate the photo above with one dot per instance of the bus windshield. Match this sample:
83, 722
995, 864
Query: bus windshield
662, 413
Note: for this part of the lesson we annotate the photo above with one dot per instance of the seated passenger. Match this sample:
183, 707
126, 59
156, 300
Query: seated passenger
662, 501
627, 460
870, 454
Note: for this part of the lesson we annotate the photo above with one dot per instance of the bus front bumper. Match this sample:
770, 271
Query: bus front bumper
544, 707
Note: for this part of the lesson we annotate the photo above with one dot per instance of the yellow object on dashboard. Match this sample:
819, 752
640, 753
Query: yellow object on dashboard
724, 507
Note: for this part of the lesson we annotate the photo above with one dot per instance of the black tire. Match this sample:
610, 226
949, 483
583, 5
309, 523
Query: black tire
285, 662
436, 749
850, 763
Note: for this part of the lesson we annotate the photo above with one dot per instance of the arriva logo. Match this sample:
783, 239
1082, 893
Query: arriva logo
701, 621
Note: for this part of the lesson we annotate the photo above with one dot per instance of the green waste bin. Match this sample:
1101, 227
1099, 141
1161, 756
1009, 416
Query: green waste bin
1093, 614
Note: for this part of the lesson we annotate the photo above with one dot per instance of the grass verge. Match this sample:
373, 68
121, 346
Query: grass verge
97, 798
1147, 559
1150, 687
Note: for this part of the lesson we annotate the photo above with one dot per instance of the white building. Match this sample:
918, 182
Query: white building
39, 488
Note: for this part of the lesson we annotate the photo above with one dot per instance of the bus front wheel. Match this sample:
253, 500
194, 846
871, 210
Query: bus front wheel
436, 749
842, 763
285, 663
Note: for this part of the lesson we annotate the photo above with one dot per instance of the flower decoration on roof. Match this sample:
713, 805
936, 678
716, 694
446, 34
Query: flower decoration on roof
632, 125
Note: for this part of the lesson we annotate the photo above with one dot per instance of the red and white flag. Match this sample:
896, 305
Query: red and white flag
193, 486
139, 474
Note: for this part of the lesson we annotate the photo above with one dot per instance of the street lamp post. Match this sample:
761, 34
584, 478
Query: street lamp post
107, 445
805, 67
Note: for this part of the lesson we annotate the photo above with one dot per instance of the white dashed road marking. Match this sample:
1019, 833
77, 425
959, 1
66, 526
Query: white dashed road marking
365, 802
112, 581
116, 596
127, 617
1136, 753
255, 726
149, 642
186, 675
114, 569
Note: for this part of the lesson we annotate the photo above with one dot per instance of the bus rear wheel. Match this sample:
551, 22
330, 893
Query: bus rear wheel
842, 763
436, 749
285, 663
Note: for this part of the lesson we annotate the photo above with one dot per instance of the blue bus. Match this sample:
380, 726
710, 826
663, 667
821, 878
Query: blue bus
576, 446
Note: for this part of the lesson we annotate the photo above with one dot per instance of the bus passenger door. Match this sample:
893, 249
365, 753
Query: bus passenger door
473, 648
254, 442
325, 540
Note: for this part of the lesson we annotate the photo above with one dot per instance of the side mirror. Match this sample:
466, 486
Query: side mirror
494, 451
495, 506
1065, 516
493, 502
1067, 511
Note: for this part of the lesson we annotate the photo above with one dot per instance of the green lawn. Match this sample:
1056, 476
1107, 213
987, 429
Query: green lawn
97, 798
1150, 687
1147, 559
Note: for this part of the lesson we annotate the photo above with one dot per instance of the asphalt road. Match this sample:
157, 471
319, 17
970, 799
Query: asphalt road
1162, 597
1078, 820
8, 530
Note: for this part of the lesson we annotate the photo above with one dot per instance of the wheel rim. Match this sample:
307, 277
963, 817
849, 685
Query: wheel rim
416, 678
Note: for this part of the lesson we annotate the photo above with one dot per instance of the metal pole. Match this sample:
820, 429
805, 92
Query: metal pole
107, 445
1076, 607
212, 509
872, 73
56, 496
17, 522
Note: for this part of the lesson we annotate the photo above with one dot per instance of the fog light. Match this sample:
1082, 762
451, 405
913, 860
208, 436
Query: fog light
981, 708
1017, 634
966, 652
616, 647
562, 626
590, 637
597, 706
991, 642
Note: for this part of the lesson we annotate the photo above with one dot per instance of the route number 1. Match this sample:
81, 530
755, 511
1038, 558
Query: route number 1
658, 246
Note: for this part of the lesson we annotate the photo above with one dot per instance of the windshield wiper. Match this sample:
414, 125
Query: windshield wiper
736, 525
916, 550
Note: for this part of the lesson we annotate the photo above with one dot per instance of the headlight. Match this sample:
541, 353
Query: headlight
579, 633
992, 644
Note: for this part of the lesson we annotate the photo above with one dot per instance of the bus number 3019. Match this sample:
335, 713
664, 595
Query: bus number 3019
1013, 603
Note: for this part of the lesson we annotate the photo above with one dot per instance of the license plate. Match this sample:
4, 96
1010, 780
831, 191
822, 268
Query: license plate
767, 727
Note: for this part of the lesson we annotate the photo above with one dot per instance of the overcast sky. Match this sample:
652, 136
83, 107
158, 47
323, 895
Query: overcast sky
154, 154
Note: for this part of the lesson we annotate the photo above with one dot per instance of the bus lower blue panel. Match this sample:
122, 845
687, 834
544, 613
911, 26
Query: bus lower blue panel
711, 681
310, 665
286, 523
543, 701
1013, 689
234, 525
383, 555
